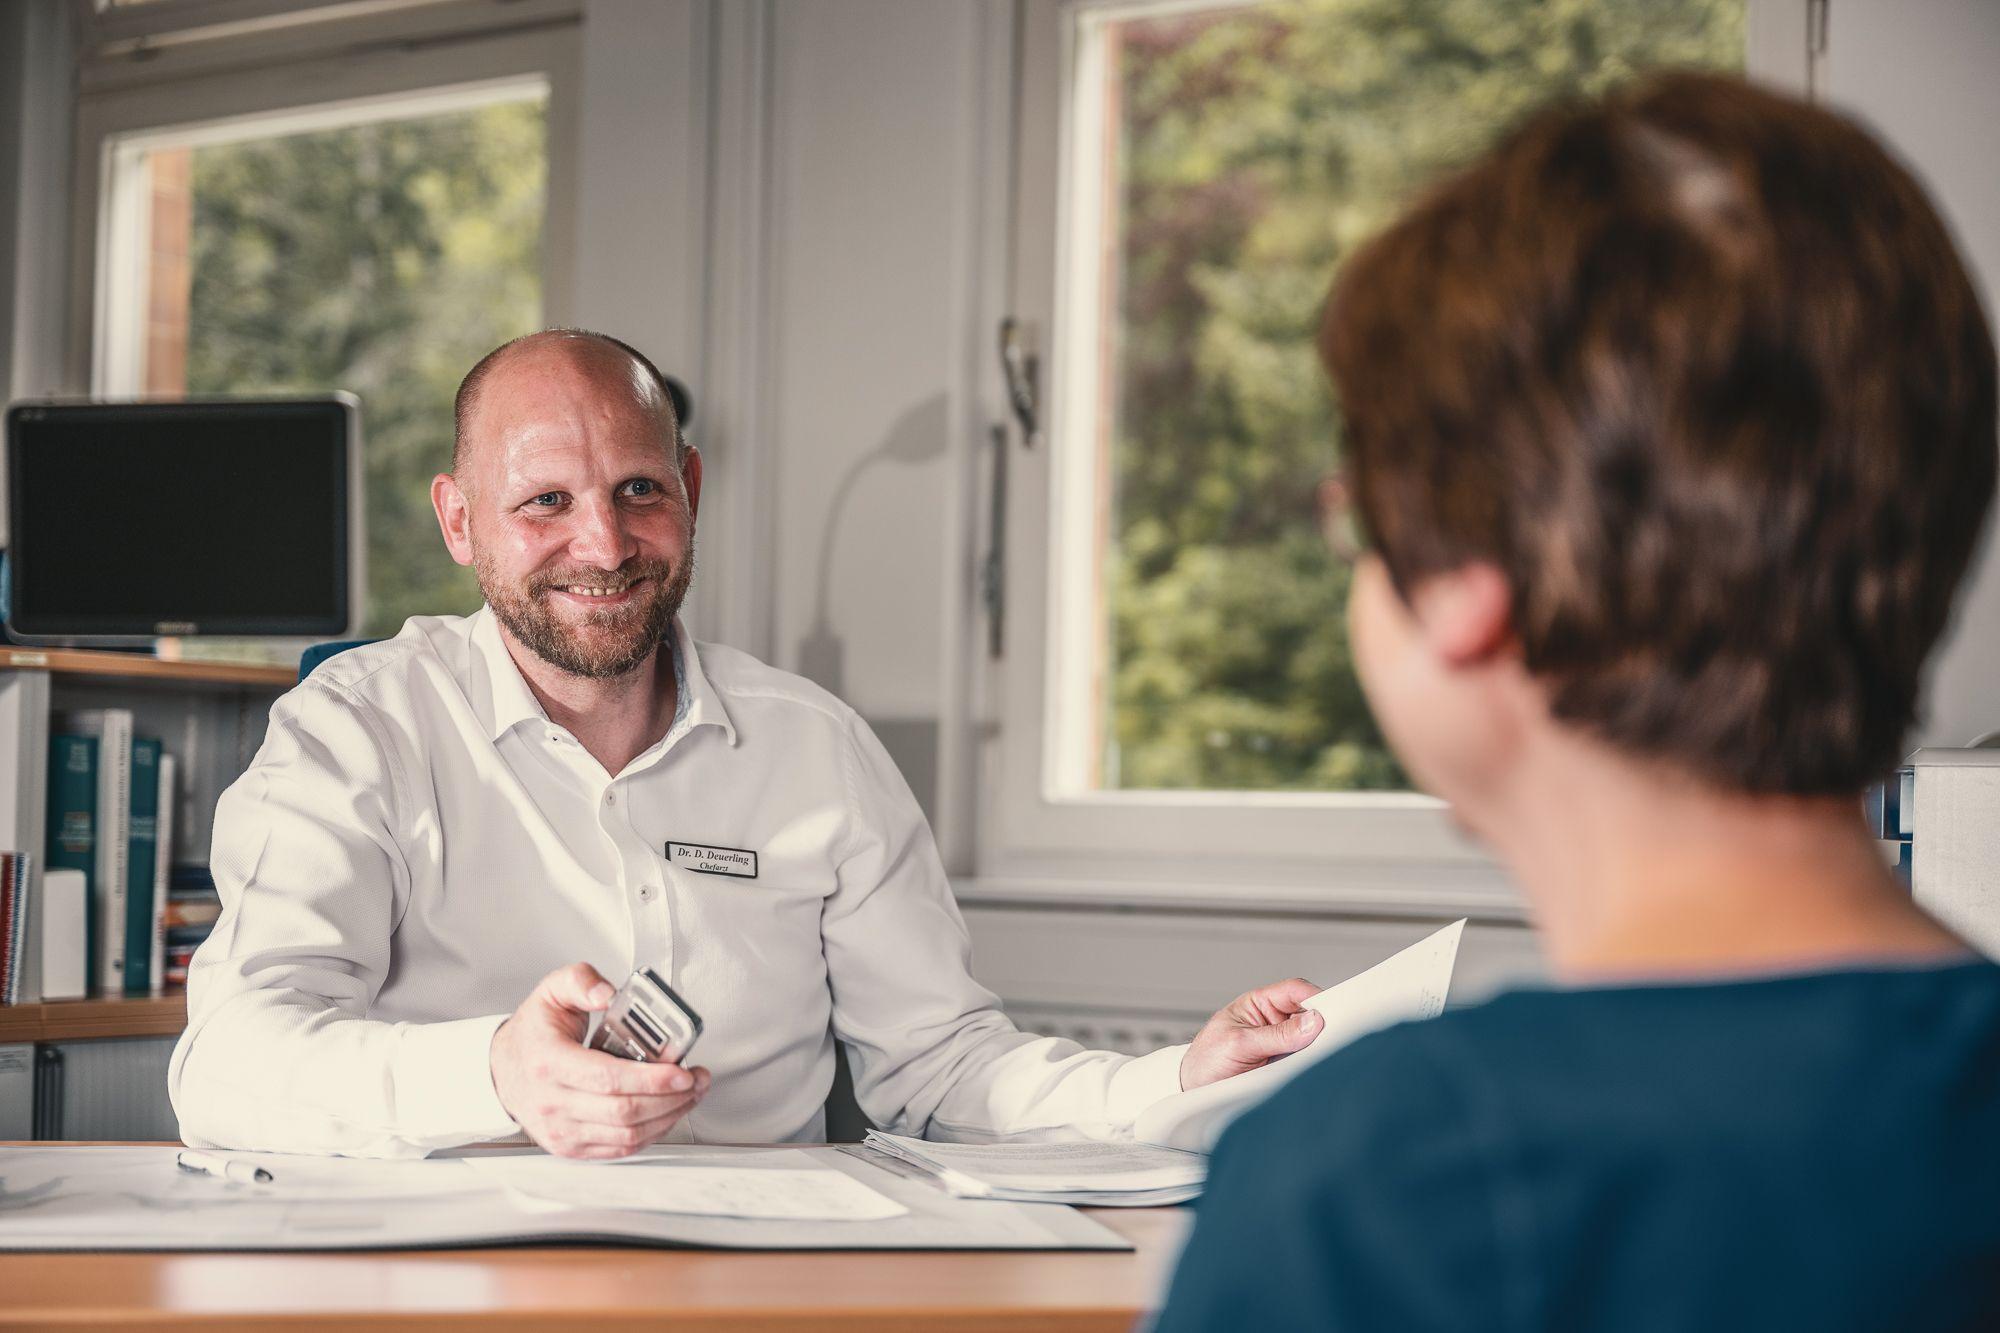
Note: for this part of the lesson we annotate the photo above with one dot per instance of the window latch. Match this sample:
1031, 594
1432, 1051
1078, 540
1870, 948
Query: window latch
1022, 370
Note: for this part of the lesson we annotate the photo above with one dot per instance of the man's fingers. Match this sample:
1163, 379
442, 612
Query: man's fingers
586, 1070
1268, 1004
579, 987
1290, 994
614, 1111
603, 1141
1275, 1039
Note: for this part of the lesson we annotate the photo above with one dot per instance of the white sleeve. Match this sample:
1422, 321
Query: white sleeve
930, 1050
278, 1054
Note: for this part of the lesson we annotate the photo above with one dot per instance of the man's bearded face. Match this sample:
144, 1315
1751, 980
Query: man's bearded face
574, 503
589, 622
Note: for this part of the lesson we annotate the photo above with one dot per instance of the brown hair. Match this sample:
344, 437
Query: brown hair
1699, 369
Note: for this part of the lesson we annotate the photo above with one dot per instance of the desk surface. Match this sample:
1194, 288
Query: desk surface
596, 1287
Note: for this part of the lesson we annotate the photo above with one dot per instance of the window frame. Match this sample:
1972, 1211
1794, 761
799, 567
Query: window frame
1366, 852
336, 73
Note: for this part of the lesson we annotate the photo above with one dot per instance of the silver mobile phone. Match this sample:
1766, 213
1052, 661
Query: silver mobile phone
647, 1021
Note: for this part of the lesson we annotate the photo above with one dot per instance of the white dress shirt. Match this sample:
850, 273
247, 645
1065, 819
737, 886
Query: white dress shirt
416, 845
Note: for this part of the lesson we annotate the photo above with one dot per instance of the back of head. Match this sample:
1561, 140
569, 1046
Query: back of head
1699, 369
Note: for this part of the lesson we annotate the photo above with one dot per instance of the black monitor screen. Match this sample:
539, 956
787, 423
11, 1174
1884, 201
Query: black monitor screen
179, 518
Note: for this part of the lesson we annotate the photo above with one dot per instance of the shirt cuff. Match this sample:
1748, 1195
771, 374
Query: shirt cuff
1143, 1081
444, 1083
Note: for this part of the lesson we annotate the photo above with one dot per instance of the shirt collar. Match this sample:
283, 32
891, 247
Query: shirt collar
509, 702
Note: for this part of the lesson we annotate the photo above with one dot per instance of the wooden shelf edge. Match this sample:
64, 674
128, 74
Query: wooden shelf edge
138, 666
85, 1020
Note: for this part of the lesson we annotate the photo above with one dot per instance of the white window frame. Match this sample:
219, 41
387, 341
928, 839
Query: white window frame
1371, 852
275, 70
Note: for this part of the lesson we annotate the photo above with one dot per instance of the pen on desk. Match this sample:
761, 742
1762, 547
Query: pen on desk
208, 1164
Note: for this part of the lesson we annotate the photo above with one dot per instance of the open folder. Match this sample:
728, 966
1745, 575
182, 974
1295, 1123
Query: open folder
90, 1197
1165, 1160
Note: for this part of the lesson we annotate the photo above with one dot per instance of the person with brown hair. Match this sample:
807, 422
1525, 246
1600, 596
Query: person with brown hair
1671, 427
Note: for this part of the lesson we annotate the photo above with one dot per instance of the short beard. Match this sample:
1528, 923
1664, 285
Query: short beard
637, 629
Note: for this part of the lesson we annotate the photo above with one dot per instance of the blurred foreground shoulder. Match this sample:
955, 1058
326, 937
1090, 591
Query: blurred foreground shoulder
1364, 1195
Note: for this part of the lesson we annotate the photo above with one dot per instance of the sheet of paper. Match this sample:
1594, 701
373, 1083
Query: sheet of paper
95, 1197
1405, 986
783, 1184
1056, 1166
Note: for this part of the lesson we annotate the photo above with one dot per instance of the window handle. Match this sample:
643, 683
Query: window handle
993, 571
1022, 370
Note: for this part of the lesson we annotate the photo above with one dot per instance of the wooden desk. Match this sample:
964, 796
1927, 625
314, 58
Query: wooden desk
587, 1288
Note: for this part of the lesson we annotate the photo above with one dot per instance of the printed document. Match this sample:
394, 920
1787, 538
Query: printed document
1409, 985
1099, 1174
783, 1183
102, 1197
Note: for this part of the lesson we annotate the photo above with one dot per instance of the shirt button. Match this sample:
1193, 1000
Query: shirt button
645, 895
611, 798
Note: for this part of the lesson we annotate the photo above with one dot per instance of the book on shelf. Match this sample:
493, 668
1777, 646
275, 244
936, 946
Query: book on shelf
191, 913
64, 906
141, 860
14, 881
109, 888
72, 832
24, 738
163, 858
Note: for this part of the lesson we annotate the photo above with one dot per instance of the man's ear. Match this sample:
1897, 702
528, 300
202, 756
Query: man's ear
1466, 615
691, 477
454, 517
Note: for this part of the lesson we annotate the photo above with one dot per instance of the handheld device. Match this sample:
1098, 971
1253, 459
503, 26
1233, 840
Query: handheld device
647, 1021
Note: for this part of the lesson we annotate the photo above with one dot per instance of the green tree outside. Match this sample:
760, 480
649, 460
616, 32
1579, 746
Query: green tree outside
383, 259
1258, 147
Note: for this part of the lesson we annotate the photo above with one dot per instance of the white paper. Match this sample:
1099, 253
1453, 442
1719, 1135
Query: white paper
783, 1184
1408, 985
969, 1168
93, 1197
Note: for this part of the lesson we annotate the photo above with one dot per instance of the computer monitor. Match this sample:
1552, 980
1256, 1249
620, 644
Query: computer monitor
128, 521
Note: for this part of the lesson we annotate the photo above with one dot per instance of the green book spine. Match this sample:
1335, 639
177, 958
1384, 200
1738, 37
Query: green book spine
73, 823
143, 841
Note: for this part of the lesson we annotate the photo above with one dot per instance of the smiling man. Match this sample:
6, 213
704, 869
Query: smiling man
536, 799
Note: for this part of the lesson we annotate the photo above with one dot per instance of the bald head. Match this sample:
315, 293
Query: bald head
617, 365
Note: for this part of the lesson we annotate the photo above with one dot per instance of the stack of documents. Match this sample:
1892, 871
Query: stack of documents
1098, 1175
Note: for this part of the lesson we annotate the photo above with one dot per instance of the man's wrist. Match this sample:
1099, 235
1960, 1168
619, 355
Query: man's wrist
438, 1081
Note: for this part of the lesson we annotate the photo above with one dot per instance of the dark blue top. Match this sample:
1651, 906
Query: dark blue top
1818, 1152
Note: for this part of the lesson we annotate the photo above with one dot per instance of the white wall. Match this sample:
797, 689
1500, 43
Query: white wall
802, 182
870, 124
1926, 75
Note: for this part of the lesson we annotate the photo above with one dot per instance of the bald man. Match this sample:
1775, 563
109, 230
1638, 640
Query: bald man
535, 800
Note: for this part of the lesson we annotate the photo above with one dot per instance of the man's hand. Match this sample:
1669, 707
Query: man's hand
1253, 1030
572, 1100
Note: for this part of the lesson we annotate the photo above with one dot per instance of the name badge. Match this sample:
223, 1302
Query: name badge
712, 860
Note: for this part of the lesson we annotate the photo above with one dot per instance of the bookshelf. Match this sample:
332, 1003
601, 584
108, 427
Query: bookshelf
86, 1020
97, 1067
140, 667
209, 715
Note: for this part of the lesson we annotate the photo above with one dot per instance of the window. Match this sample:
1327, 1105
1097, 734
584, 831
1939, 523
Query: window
381, 256
354, 217
1204, 167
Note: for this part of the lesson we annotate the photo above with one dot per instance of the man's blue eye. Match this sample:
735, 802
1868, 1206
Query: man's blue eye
547, 498
641, 486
